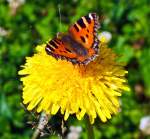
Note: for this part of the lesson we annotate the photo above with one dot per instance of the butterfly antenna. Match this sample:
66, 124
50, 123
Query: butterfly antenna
59, 10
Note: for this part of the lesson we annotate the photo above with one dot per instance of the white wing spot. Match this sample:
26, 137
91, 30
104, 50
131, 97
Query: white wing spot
90, 16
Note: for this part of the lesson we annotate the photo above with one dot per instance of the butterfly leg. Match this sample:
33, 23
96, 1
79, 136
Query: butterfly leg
59, 34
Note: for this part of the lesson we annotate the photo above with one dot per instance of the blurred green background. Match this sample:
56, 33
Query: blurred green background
26, 23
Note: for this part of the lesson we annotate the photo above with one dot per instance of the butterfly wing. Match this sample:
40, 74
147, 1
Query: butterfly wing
58, 49
84, 31
80, 45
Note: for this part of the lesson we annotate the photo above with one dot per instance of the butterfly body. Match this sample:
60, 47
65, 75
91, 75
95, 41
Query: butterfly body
80, 44
75, 47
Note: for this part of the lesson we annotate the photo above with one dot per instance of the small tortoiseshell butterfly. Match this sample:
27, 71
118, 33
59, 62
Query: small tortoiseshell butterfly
80, 44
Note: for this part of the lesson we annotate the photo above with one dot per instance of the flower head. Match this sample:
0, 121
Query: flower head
51, 85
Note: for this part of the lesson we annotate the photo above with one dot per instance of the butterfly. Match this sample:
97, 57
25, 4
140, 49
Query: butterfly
80, 45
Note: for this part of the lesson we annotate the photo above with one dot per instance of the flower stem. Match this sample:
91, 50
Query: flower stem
62, 130
89, 129
41, 125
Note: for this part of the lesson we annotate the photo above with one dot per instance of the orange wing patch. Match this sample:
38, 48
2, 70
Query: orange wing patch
85, 29
57, 48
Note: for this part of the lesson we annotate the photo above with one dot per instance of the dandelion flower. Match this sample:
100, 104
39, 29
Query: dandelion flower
51, 85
